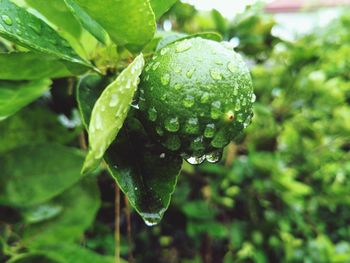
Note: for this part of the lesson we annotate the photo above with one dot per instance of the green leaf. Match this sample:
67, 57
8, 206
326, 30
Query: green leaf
32, 215
89, 89
161, 6
144, 172
58, 14
110, 111
16, 95
29, 31
34, 125
80, 204
127, 22
33, 174
87, 22
34, 258
30, 66
72, 253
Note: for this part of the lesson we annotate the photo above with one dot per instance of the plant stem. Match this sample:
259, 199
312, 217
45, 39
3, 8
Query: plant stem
128, 228
117, 224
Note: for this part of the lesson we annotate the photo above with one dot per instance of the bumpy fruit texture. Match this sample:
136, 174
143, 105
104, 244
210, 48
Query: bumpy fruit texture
196, 95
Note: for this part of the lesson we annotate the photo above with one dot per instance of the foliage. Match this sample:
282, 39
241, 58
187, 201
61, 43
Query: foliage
280, 194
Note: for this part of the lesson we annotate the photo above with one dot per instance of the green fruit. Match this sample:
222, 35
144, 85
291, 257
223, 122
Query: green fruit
196, 95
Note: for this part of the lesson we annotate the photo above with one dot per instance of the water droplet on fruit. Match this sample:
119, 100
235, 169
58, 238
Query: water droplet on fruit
114, 100
152, 114
183, 46
7, 20
209, 131
196, 160
177, 70
172, 143
191, 126
240, 117
232, 67
214, 157
188, 101
197, 144
189, 73
164, 51
215, 112
165, 79
253, 98
235, 90
216, 75
220, 140
155, 65
205, 97
178, 86
172, 124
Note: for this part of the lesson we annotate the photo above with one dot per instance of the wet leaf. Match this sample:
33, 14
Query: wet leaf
30, 66
23, 28
16, 95
161, 6
144, 172
25, 181
127, 22
87, 22
58, 14
110, 111
79, 207
89, 89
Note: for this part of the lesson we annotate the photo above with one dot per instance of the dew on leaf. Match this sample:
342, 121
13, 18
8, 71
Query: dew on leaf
114, 100
7, 20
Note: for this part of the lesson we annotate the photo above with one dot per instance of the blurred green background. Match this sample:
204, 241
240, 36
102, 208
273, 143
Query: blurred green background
282, 191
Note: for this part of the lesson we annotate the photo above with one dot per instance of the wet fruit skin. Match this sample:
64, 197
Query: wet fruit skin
196, 95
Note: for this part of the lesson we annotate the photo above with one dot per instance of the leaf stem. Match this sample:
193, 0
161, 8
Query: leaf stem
117, 224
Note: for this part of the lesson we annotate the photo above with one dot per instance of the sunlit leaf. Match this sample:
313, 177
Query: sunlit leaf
127, 22
87, 22
161, 6
110, 111
21, 27
144, 172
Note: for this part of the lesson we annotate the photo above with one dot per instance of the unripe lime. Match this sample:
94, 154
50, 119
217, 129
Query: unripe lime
196, 95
